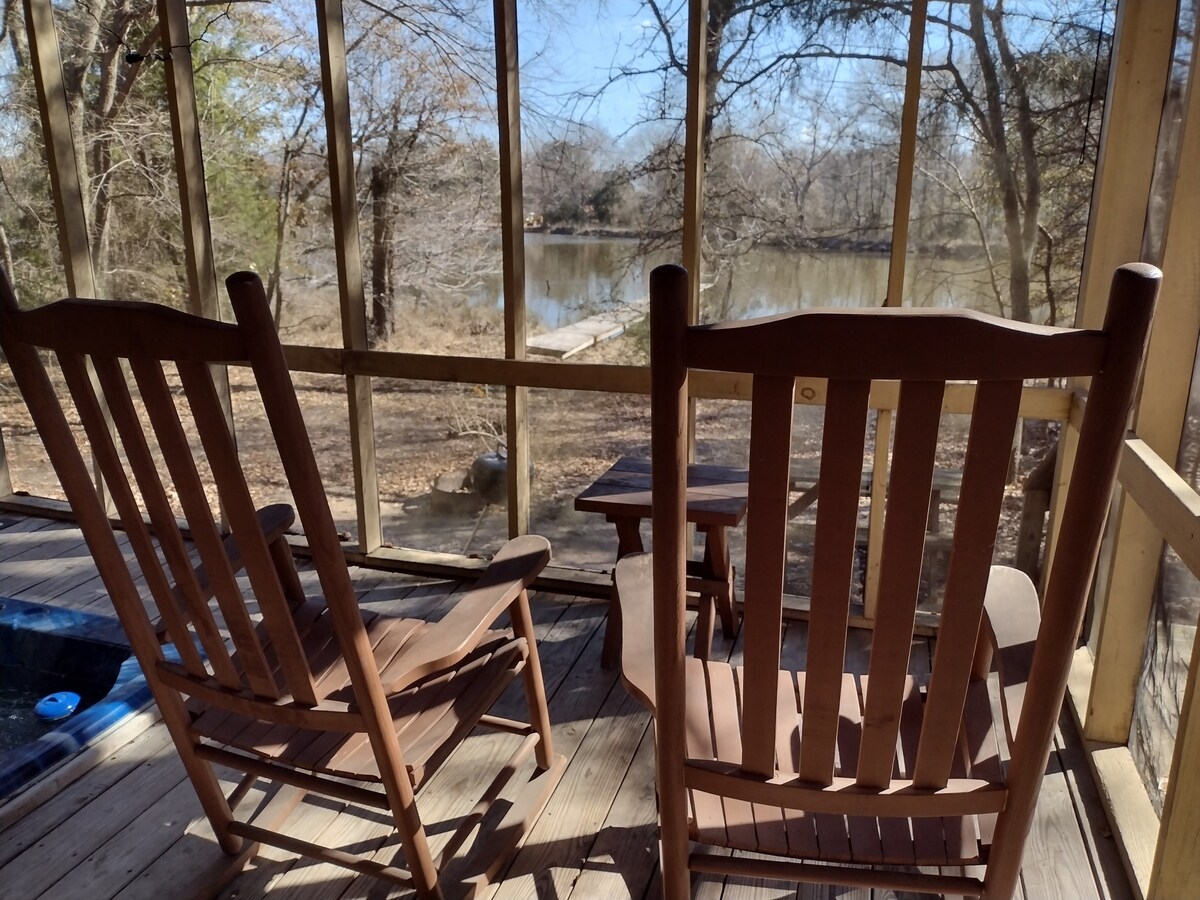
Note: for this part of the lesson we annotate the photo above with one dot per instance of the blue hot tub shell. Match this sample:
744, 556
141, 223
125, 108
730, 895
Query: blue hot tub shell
74, 649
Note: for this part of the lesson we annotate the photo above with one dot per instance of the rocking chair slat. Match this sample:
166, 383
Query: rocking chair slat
833, 564
917, 420
193, 608
92, 417
770, 475
178, 456
239, 508
982, 493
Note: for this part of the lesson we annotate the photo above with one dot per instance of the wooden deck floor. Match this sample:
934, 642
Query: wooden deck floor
130, 826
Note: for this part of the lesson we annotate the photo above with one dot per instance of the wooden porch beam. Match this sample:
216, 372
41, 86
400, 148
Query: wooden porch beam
1053, 404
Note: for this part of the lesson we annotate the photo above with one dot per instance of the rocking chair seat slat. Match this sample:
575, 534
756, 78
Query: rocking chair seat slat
425, 714
714, 694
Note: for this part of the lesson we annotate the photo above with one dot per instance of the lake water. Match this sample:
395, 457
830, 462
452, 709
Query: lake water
569, 278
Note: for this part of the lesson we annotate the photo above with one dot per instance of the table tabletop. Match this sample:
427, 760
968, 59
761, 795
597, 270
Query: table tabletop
716, 495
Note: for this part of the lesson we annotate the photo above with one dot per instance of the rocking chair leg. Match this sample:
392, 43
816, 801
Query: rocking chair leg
203, 778
413, 839
535, 690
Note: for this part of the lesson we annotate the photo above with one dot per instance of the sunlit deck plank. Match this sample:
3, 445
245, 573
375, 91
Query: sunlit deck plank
117, 862
17, 533
203, 871
625, 855
74, 846
126, 762
600, 742
1057, 865
448, 796
578, 697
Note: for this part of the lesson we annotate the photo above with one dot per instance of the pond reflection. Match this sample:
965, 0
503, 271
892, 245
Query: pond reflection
570, 277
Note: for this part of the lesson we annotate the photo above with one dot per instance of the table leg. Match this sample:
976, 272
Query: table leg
717, 564
629, 540
629, 535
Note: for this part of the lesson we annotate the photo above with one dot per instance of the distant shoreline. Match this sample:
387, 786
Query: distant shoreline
817, 244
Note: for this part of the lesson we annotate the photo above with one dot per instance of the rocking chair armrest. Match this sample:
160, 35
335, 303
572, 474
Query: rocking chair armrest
444, 643
1013, 615
274, 520
635, 594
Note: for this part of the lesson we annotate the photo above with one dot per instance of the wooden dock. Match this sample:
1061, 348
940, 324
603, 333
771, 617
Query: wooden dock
571, 339
123, 821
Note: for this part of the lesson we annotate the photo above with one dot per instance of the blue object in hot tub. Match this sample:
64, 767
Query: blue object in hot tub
45, 650
57, 706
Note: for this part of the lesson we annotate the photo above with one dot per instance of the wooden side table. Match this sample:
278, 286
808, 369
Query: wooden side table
716, 500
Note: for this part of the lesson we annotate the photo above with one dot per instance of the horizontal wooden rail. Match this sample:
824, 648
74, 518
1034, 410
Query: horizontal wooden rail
558, 578
1169, 502
1054, 404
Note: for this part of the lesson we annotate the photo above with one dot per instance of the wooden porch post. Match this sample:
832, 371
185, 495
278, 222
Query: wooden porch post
70, 208
512, 241
331, 35
693, 157
1174, 507
1141, 61
901, 214
189, 163
693, 183
1158, 421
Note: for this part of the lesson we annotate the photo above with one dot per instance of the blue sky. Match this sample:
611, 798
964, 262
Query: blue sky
572, 48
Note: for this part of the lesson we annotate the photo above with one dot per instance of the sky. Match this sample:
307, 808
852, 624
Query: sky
570, 48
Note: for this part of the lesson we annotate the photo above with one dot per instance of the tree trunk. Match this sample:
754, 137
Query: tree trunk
282, 215
719, 14
6, 256
382, 289
1020, 213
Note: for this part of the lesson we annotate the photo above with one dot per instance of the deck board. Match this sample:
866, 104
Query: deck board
625, 856
204, 872
83, 794
131, 827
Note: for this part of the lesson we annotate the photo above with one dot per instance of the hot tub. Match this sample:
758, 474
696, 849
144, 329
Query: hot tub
44, 650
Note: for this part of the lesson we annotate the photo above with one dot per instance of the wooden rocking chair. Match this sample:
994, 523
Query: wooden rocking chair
318, 695
875, 775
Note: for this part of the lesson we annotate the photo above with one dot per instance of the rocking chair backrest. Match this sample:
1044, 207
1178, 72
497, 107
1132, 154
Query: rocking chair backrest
855, 352
112, 357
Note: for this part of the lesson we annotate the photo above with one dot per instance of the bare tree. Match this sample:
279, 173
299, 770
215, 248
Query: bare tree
1018, 102
419, 78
